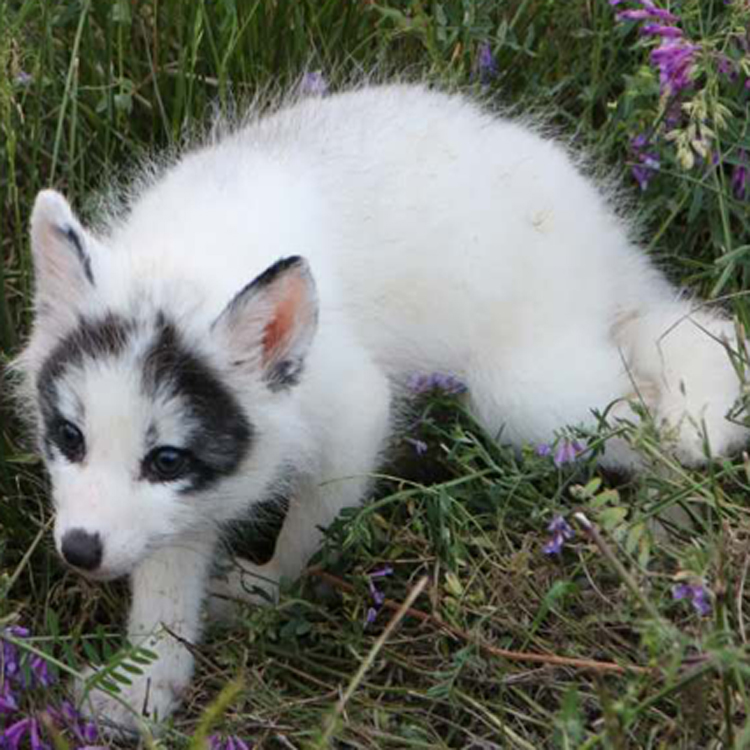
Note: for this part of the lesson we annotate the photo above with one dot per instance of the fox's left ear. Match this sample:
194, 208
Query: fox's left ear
60, 249
270, 324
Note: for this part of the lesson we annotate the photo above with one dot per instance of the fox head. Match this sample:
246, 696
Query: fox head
152, 424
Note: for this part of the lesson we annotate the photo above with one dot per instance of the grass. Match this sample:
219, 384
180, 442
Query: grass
88, 88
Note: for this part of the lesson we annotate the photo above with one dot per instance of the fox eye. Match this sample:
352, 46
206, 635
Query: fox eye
166, 464
69, 440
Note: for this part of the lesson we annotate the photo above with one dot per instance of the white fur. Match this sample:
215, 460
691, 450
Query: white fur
440, 238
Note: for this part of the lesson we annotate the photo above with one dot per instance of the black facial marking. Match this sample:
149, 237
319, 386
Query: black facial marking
219, 435
98, 338
76, 241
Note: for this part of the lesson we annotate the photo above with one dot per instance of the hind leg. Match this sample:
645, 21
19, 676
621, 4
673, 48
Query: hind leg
526, 395
682, 357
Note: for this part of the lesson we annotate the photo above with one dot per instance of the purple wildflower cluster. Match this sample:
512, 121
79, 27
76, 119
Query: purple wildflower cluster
675, 58
563, 452
20, 674
697, 594
561, 532
217, 742
378, 597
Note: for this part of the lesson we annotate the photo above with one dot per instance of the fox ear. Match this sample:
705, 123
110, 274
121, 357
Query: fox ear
60, 249
270, 324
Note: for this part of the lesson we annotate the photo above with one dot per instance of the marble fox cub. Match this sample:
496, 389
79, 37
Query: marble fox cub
244, 328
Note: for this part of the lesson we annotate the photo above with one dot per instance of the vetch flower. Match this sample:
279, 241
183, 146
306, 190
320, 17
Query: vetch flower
665, 32
697, 594
727, 67
23, 79
486, 63
23, 730
40, 671
419, 445
675, 61
68, 717
567, 451
647, 161
561, 532
314, 84
378, 597
740, 175
11, 664
382, 572
8, 702
231, 742
11, 738
660, 13
633, 15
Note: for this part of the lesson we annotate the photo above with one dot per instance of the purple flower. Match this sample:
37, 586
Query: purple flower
647, 13
486, 63
216, 742
674, 60
740, 174
697, 594
11, 664
313, 84
567, 451
647, 161
23, 79
40, 671
561, 532
8, 702
419, 445
437, 381
727, 67
656, 29
543, 450
387, 570
660, 13
633, 15
68, 717
10, 738
378, 597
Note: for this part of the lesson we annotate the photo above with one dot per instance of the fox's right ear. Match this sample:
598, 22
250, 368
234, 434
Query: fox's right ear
60, 249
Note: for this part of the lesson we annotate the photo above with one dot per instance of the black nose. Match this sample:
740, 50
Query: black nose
81, 549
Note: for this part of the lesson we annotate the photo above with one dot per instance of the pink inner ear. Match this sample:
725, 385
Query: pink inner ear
280, 330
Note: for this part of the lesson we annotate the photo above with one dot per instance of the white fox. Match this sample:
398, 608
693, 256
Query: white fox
245, 328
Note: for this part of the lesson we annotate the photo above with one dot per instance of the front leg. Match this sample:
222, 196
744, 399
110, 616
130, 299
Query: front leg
312, 508
167, 592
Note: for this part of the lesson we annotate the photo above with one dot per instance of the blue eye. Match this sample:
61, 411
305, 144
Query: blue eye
166, 464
